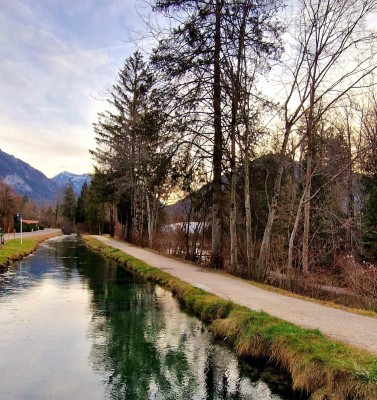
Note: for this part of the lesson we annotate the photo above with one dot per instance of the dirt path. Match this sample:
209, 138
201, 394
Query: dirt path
357, 330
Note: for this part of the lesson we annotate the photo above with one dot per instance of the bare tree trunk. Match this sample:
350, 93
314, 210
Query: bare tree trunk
135, 216
151, 216
307, 204
294, 233
187, 233
261, 269
235, 101
351, 205
112, 219
233, 208
141, 222
311, 123
246, 166
217, 258
249, 240
233, 178
138, 216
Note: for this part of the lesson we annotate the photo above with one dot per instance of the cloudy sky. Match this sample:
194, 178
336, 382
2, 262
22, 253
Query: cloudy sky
57, 57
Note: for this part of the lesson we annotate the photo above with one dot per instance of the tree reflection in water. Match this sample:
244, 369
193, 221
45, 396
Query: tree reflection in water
88, 329
146, 347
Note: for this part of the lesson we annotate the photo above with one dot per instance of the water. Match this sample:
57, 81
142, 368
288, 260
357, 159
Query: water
74, 326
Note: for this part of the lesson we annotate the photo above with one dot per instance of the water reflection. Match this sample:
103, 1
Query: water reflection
74, 325
149, 349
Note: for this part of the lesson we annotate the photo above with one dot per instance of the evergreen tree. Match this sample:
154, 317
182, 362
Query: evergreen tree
97, 203
82, 204
133, 149
69, 209
370, 222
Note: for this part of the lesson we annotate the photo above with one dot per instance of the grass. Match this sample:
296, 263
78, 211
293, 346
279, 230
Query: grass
318, 365
327, 303
13, 250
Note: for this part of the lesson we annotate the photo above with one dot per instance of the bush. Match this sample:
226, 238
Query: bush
360, 279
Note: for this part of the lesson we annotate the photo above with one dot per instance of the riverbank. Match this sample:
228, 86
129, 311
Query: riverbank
12, 250
326, 368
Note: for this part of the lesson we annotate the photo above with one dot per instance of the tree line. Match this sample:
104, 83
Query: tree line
68, 212
261, 118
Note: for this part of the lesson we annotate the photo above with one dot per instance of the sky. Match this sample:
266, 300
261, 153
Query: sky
58, 57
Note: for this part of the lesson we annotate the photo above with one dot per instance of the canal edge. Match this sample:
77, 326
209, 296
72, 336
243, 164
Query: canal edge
12, 251
325, 368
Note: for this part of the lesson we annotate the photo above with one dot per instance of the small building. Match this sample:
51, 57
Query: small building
29, 225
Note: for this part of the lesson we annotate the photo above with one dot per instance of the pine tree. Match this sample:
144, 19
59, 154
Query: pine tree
134, 149
370, 222
69, 209
82, 205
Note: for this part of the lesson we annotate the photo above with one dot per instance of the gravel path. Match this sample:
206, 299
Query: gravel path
357, 330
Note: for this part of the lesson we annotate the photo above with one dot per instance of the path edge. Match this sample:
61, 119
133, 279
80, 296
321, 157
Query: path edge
325, 368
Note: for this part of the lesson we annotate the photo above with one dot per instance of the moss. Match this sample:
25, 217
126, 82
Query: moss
325, 368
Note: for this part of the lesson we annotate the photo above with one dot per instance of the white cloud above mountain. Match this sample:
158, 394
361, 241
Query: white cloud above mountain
58, 56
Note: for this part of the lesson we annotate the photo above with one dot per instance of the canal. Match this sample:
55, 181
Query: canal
75, 326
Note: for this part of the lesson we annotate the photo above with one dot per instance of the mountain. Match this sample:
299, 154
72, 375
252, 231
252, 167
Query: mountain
26, 180
77, 181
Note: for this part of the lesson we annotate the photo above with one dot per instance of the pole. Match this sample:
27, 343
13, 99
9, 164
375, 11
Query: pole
21, 230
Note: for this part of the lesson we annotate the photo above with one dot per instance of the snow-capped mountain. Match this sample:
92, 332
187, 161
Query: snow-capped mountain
26, 180
77, 181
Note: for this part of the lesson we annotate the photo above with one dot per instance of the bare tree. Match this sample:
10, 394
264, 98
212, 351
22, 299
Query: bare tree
7, 205
204, 54
332, 54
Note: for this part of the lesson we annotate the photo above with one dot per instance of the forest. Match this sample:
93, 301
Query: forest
243, 135
62, 214
245, 139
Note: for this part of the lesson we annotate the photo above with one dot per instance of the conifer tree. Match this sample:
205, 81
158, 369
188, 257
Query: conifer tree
133, 148
82, 205
370, 222
68, 208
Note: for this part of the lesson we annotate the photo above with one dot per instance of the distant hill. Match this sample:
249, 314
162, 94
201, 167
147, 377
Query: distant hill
77, 181
176, 212
26, 180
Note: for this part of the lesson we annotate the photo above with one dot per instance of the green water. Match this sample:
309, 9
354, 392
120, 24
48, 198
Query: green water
75, 326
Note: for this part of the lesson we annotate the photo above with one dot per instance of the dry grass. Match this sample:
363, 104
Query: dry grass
360, 279
327, 303
345, 304
13, 250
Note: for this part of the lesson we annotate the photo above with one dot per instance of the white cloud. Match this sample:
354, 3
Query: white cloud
57, 57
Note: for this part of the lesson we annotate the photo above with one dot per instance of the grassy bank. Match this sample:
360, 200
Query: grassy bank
13, 250
326, 369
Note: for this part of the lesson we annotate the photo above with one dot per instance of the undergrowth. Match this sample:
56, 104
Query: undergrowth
318, 365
